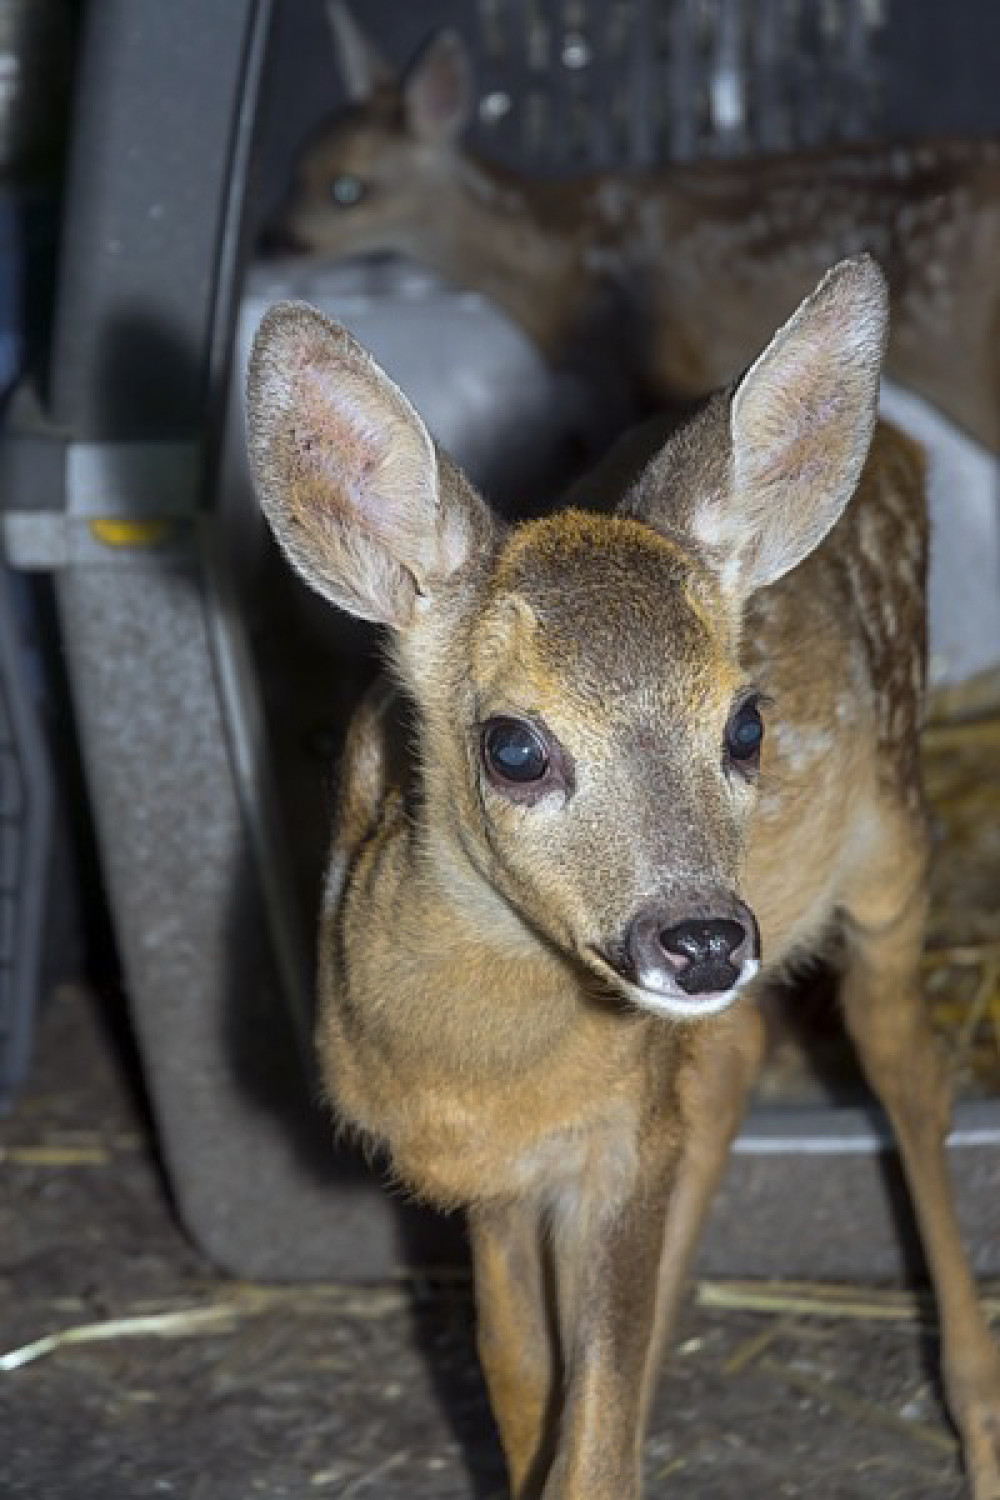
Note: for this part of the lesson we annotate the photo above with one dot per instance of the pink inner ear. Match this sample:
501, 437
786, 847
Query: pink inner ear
437, 92
792, 422
338, 447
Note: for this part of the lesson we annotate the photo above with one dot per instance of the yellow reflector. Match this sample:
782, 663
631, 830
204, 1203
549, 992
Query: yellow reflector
130, 533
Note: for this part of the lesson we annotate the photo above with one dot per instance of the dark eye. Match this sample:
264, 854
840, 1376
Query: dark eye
745, 733
514, 751
347, 190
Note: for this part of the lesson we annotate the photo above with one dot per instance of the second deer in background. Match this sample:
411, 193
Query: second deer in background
677, 276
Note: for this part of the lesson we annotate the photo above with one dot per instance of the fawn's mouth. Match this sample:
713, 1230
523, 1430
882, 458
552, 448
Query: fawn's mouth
658, 992
663, 997
277, 240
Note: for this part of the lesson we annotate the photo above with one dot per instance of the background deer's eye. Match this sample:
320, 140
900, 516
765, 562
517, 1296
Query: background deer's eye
745, 733
347, 190
514, 751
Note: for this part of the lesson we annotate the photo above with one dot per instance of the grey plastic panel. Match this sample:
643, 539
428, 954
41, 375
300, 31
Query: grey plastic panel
159, 92
815, 1193
249, 1152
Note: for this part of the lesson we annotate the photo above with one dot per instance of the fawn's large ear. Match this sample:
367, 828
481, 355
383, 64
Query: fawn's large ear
363, 69
800, 424
802, 420
438, 90
346, 471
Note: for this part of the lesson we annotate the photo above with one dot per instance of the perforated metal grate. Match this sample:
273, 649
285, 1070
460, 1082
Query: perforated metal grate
570, 84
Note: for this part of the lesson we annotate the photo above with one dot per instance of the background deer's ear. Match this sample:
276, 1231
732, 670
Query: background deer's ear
759, 497
438, 89
347, 474
363, 69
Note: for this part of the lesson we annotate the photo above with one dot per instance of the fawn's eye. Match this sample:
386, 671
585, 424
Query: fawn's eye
347, 190
745, 733
514, 751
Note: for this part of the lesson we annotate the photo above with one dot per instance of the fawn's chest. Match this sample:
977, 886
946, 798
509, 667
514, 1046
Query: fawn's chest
470, 1111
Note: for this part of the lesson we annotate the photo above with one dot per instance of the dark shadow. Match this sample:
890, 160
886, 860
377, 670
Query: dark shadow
442, 1314
807, 1010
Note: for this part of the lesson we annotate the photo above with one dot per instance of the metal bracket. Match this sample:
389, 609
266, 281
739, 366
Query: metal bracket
73, 503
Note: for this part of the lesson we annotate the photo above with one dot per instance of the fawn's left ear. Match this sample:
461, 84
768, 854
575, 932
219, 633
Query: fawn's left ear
800, 424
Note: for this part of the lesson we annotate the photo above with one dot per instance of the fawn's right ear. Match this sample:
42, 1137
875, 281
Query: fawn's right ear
346, 471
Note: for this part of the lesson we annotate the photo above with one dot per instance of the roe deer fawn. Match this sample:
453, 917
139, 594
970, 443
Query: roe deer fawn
555, 895
678, 276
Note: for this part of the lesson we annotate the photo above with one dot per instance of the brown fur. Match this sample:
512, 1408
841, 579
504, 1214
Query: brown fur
682, 273
475, 1021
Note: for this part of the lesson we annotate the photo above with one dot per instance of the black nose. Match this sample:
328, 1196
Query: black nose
701, 951
702, 941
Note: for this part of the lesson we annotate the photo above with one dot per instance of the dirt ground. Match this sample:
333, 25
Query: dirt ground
341, 1392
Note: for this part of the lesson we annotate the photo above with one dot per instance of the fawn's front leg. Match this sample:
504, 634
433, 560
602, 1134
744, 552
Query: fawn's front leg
606, 1258
516, 1336
574, 1307
566, 1303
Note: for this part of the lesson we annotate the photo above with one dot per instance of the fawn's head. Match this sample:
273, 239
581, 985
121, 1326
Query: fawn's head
588, 740
386, 168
